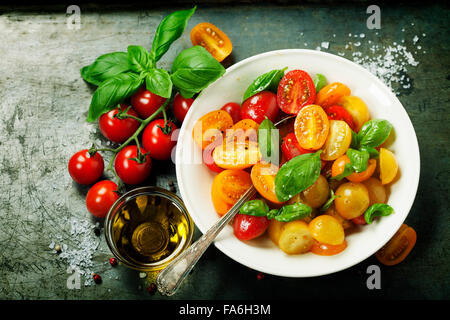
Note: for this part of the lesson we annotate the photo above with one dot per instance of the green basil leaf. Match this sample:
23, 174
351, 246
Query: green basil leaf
267, 81
194, 69
374, 132
111, 92
377, 210
355, 142
158, 81
319, 81
138, 59
255, 208
105, 67
272, 213
268, 141
169, 30
297, 175
358, 159
329, 202
293, 212
373, 153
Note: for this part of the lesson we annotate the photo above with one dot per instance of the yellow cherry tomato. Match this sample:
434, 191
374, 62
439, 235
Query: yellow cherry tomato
327, 229
357, 109
295, 238
338, 140
352, 200
388, 166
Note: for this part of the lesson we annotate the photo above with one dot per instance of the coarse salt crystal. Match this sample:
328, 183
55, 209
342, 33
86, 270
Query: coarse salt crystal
325, 44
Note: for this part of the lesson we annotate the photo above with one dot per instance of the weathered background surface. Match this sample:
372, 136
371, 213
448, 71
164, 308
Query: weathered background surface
43, 103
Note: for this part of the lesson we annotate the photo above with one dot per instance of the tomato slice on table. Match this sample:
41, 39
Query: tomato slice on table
212, 39
324, 249
263, 178
331, 94
296, 90
311, 127
398, 248
210, 126
336, 112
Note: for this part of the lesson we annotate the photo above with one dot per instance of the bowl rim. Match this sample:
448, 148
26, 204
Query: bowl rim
372, 77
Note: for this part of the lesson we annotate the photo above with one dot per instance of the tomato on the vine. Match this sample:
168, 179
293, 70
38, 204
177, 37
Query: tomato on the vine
248, 227
86, 168
181, 106
131, 167
158, 139
115, 129
100, 198
260, 106
295, 91
234, 109
146, 103
339, 113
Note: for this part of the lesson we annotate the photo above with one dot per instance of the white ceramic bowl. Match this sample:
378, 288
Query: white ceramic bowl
195, 179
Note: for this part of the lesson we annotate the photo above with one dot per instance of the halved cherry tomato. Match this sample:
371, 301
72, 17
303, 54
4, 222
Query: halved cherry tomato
246, 227
398, 248
234, 109
339, 165
331, 94
338, 140
263, 178
296, 90
245, 129
311, 127
357, 109
212, 39
208, 158
339, 113
228, 186
324, 249
236, 154
210, 126
388, 166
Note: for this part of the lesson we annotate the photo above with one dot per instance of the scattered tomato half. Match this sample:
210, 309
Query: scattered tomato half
324, 249
311, 127
210, 127
146, 103
158, 139
212, 39
100, 198
181, 106
398, 247
296, 90
246, 227
336, 112
234, 109
85, 168
331, 94
130, 168
115, 129
260, 106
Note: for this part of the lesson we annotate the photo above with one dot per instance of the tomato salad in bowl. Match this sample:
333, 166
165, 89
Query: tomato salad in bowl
332, 173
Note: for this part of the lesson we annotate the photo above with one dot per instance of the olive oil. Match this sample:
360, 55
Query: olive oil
148, 229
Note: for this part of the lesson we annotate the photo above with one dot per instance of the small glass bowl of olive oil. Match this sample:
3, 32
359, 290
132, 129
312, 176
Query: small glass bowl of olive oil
148, 227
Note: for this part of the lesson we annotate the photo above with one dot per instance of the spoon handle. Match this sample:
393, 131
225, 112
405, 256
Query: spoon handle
171, 277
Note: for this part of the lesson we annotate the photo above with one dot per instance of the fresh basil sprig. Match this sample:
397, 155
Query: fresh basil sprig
159, 82
297, 175
268, 141
105, 67
377, 210
266, 81
286, 213
329, 202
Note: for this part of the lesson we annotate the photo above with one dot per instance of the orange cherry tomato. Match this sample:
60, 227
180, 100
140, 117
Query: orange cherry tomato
338, 167
311, 127
338, 140
212, 39
245, 129
398, 248
210, 126
324, 249
331, 94
388, 166
263, 178
236, 154
228, 186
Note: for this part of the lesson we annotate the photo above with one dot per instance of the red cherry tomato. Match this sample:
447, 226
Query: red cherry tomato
158, 143
129, 168
295, 91
259, 106
101, 197
181, 106
291, 148
85, 168
234, 109
339, 113
248, 227
115, 129
208, 158
146, 103
359, 220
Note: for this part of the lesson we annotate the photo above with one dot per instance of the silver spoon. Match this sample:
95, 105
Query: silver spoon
170, 279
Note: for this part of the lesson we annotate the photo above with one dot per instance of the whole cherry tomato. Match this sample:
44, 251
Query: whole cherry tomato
339, 113
85, 168
295, 91
259, 106
291, 148
181, 106
359, 220
131, 167
101, 197
246, 227
146, 103
234, 109
115, 129
158, 139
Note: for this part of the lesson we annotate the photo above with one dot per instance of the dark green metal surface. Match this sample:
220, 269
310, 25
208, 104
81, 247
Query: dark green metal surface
43, 103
